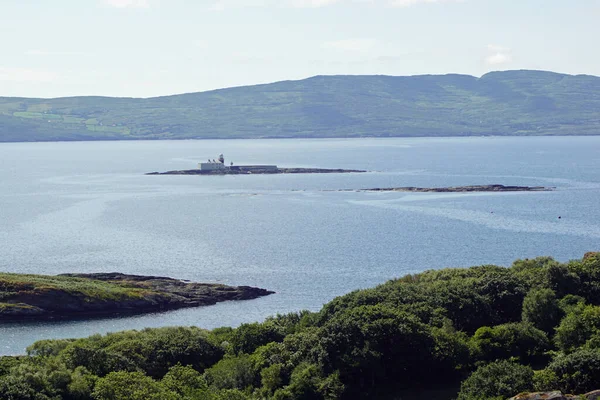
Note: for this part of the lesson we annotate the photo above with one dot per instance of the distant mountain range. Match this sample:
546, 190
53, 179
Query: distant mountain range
499, 103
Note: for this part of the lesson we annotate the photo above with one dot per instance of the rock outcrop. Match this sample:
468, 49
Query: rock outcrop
457, 189
595, 395
82, 295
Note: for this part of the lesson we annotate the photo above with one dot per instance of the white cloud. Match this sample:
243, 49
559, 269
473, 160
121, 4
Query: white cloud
409, 3
201, 44
498, 59
26, 75
355, 45
127, 3
220, 5
312, 3
38, 52
494, 48
498, 55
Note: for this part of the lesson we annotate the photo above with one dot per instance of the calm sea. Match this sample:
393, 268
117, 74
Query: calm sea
88, 207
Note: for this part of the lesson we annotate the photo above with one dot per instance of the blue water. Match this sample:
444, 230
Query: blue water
87, 207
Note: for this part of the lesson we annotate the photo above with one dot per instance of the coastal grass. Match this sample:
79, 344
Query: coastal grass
12, 284
4, 307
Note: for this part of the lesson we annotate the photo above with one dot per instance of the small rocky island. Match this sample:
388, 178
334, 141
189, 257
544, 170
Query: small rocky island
218, 167
101, 294
456, 189
246, 171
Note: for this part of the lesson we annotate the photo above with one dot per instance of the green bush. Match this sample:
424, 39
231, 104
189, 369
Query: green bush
186, 382
249, 337
8, 362
35, 379
153, 351
233, 372
570, 302
545, 381
577, 327
520, 340
377, 345
47, 348
82, 384
498, 380
541, 309
131, 386
578, 372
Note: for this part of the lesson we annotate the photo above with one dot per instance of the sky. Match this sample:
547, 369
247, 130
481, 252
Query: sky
146, 48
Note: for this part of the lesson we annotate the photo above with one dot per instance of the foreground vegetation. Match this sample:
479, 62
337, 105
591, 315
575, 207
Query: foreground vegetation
499, 103
499, 331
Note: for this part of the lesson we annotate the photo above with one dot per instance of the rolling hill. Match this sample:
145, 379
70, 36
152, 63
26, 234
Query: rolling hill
499, 103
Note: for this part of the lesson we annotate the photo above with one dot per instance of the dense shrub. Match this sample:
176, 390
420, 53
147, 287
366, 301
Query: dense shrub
577, 327
404, 336
541, 309
370, 345
578, 372
249, 337
131, 386
153, 351
498, 380
40, 379
232, 372
588, 272
186, 382
519, 340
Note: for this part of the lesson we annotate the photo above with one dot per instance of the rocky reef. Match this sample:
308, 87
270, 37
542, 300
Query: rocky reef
83, 295
456, 189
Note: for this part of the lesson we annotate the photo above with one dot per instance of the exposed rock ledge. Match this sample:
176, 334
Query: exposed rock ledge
595, 395
243, 171
456, 189
87, 295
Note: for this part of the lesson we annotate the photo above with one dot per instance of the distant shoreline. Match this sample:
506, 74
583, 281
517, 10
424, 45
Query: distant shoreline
297, 138
503, 103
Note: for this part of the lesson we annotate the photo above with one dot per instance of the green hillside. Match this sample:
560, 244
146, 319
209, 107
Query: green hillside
499, 103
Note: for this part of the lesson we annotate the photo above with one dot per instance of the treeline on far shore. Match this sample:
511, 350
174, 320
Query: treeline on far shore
485, 332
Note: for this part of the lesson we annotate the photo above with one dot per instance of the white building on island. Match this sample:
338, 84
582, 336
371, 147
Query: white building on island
213, 165
219, 164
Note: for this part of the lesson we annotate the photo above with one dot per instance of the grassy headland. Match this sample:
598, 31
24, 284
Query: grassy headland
41, 296
499, 103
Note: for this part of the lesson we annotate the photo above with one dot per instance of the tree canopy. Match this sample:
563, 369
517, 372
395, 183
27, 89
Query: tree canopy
499, 331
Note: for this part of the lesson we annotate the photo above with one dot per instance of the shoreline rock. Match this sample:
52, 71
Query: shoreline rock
456, 189
556, 395
104, 294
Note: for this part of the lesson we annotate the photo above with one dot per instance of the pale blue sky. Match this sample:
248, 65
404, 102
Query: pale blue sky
143, 48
